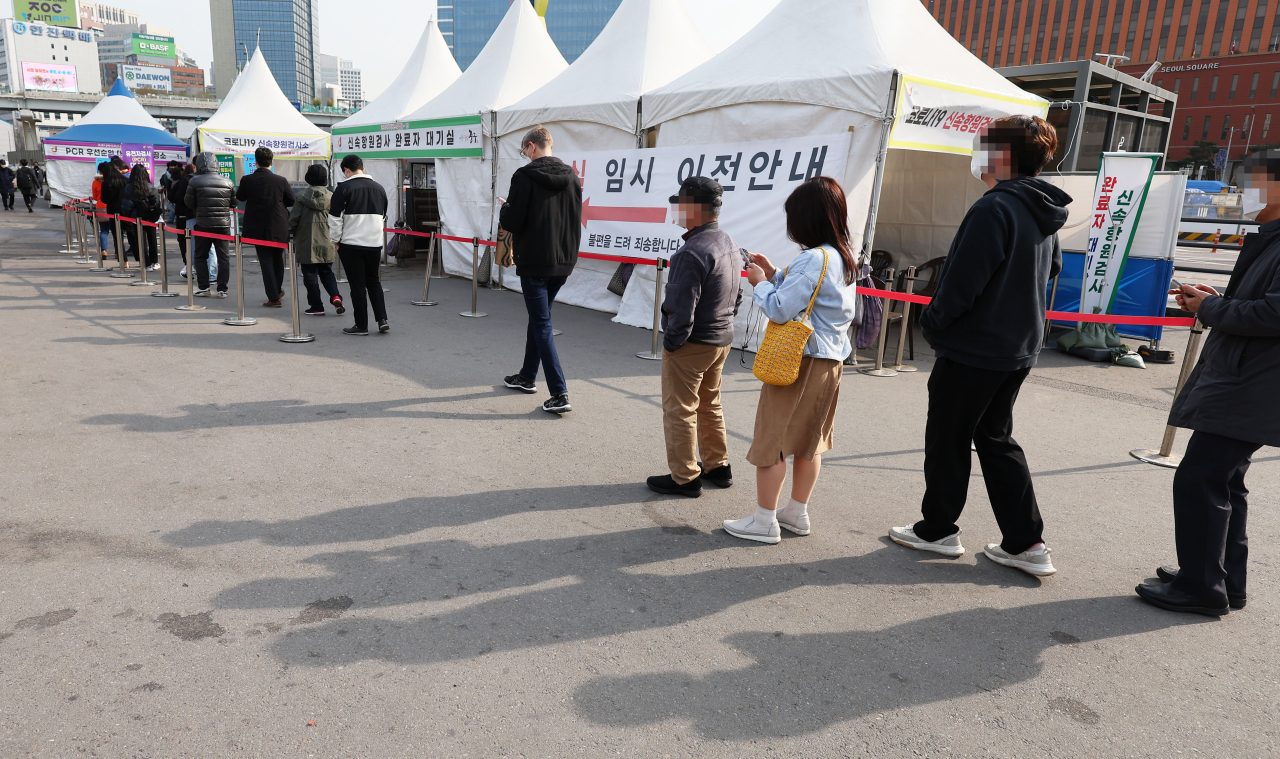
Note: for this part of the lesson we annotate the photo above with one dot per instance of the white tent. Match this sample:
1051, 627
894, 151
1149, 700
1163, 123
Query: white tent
893, 77
429, 70
595, 105
518, 59
256, 114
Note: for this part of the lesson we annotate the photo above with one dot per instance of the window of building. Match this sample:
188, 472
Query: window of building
1275, 84
1259, 19
1213, 88
1204, 133
1248, 124
1226, 126
1186, 129
1177, 83
1231, 93
1266, 125
1195, 89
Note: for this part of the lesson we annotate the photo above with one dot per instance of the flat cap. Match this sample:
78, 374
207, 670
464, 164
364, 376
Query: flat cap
699, 190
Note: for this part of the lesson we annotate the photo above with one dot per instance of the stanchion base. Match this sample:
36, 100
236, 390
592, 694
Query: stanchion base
292, 338
100, 268
164, 295
424, 302
873, 372
473, 314
123, 275
148, 283
556, 332
187, 308
648, 356
246, 322
83, 262
441, 276
903, 368
1153, 457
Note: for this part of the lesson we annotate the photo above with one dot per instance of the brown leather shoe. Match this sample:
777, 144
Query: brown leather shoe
272, 304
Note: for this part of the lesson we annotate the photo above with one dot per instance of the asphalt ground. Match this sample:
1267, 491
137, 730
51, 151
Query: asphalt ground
371, 534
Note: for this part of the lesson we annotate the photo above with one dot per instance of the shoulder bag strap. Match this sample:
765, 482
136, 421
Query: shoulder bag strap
821, 277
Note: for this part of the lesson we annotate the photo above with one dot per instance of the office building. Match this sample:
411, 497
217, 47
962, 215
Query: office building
286, 30
444, 21
151, 44
572, 24
349, 78
49, 58
98, 15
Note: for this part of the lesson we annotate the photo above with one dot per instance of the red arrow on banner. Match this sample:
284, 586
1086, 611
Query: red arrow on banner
622, 213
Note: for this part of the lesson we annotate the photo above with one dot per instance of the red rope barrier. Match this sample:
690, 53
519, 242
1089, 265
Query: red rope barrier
619, 259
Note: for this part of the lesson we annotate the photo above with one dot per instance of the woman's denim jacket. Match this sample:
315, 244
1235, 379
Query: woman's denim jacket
786, 297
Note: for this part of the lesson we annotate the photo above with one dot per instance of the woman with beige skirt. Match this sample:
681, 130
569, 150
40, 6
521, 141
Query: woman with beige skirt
795, 421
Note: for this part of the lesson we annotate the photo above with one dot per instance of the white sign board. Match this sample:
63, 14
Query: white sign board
943, 118
625, 208
152, 77
1119, 194
283, 145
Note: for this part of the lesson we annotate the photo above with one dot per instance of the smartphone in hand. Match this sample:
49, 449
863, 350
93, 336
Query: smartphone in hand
746, 258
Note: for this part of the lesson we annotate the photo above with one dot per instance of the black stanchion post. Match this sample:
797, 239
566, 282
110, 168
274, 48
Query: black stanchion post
191, 277
241, 320
655, 352
1053, 298
880, 370
426, 278
164, 266
297, 336
475, 282
1165, 456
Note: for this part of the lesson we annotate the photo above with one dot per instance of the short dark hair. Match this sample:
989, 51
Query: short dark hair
352, 162
1031, 141
539, 136
173, 164
317, 175
1262, 162
817, 215
263, 156
22, 162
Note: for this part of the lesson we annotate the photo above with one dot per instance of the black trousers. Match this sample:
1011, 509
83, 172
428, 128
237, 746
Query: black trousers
8, 199
1210, 507
361, 265
201, 257
315, 275
969, 404
272, 262
29, 197
148, 236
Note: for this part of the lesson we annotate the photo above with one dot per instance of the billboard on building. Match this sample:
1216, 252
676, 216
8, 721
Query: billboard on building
147, 76
151, 46
59, 13
53, 77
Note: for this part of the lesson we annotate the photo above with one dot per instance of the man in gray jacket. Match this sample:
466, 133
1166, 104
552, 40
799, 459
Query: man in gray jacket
703, 295
210, 196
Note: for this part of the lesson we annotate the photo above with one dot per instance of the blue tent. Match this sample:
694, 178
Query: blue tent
118, 118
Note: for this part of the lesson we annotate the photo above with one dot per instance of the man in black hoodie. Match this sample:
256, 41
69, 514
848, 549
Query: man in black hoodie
544, 216
986, 326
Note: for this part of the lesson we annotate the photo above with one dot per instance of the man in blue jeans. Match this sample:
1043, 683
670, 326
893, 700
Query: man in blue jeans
543, 213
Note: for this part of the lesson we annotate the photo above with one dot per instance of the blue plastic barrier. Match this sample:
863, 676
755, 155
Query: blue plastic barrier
1144, 291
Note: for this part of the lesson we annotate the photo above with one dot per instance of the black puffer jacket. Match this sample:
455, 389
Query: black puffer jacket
210, 196
543, 213
112, 196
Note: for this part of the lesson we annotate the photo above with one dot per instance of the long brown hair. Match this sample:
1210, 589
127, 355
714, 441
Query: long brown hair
817, 215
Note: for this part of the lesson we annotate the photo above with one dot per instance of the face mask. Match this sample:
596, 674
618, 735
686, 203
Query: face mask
1252, 201
976, 162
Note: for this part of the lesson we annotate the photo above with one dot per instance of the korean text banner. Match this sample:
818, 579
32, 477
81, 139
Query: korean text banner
54, 77
97, 152
943, 118
1118, 197
625, 192
437, 138
57, 13
283, 145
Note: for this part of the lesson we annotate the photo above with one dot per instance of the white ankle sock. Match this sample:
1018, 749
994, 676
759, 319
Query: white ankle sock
766, 516
795, 509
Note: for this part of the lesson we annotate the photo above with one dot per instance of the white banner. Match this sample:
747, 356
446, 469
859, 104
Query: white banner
1118, 196
625, 208
152, 77
282, 145
943, 118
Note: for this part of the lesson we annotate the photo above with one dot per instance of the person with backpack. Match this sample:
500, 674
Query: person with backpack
142, 202
27, 184
7, 178
314, 252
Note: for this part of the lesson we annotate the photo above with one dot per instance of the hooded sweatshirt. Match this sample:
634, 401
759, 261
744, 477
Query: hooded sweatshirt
988, 309
543, 213
209, 195
309, 225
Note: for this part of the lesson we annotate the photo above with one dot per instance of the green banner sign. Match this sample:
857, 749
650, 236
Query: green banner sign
151, 46
459, 137
227, 166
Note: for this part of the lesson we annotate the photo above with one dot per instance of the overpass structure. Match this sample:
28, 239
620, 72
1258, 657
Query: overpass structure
161, 107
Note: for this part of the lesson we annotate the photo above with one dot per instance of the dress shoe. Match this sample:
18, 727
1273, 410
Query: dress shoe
273, 304
666, 484
1234, 600
721, 476
1167, 597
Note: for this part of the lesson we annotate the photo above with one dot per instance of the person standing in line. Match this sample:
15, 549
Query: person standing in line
357, 216
142, 202
986, 326
172, 173
181, 213
41, 178
702, 297
27, 184
1229, 402
309, 225
543, 213
211, 197
797, 421
7, 178
112, 194
267, 198
103, 226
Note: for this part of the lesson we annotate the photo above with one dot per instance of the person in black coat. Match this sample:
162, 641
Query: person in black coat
7, 178
142, 201
267, 199
543, 213
1230, 401
177, 198
210, 198
986, 326
28, 183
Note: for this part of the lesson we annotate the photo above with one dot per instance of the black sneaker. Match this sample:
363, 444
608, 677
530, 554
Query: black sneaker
355, 331
721, 476
558, 404
314, 312
516, 382
666, 484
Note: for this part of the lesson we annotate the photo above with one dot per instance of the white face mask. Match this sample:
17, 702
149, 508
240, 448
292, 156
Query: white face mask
1252, 201
978, 161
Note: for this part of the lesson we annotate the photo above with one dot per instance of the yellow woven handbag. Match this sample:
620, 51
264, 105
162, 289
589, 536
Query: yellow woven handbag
778, 358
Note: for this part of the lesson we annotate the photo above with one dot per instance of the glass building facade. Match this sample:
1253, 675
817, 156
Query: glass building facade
286, 30
572, 24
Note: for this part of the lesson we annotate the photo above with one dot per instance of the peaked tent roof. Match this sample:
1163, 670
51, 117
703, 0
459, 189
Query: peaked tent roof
784, 60
518, 59
431, 68
119, 118
256, 105
645, 45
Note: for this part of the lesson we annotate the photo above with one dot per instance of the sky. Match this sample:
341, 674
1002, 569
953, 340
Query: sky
379, 43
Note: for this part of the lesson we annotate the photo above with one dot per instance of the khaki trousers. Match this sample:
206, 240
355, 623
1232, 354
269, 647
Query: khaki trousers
691, 413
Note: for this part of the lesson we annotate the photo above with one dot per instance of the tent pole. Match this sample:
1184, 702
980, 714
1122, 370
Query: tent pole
639, 123
886, 125
493, 197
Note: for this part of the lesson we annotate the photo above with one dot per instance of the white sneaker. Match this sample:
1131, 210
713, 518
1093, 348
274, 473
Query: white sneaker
798, 524
906, 536
749, 528
1034, 561
202, 292
153, 267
